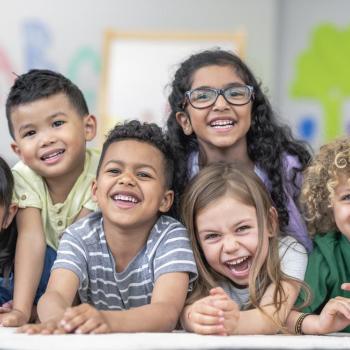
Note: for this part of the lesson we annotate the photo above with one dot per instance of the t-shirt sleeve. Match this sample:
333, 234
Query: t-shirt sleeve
174, 254
72, 256
27, 190
316, 277
293, 258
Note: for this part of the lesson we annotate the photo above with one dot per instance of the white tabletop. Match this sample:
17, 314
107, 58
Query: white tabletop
9, 339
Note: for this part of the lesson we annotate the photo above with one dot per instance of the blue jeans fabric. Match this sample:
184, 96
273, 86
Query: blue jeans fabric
7, 285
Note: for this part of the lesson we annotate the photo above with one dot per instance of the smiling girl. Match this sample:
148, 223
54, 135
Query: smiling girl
219, 113
246, 271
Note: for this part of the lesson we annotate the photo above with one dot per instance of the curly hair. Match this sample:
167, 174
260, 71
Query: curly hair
267, 140
42, 83
320, 180
149, 133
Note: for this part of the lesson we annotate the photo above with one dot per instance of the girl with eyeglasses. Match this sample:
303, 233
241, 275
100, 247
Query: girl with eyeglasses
219, 113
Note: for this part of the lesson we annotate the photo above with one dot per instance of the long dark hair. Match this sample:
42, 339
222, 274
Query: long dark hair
267, 140
8, 236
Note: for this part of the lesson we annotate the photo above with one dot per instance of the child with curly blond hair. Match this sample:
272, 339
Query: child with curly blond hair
325, 201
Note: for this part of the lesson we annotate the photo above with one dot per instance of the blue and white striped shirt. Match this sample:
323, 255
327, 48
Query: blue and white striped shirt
83, 250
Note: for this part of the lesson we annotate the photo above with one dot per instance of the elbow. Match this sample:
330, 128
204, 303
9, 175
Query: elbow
171, 319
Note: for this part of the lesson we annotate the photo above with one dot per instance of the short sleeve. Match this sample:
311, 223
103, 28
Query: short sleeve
28, 189
293, 258
72, 256
174, 254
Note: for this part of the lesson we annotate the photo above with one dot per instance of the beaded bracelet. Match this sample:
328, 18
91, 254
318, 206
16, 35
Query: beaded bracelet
299, 323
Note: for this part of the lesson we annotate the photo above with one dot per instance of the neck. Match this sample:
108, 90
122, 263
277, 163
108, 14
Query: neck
227, 155
125, 243
60, 187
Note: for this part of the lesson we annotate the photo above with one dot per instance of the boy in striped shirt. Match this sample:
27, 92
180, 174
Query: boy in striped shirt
131, 265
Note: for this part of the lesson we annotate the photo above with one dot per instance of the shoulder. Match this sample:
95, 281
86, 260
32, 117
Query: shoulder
86, 230
289, 244
92, 159
166, 231
23, 171
327, 242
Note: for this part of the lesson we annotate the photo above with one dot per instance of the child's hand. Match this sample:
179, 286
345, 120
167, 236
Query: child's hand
229, 307
335, 315
49, 327
84, 319
6, 307
13, 318
345, 286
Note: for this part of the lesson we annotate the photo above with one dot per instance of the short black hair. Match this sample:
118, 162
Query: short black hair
42, 83
149, 133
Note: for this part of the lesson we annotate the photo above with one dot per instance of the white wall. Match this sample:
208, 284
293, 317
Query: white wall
67, 36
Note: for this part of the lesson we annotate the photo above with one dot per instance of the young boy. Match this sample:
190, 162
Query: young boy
50, 124
130, 263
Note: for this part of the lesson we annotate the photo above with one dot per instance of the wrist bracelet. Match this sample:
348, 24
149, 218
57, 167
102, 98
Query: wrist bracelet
299, 323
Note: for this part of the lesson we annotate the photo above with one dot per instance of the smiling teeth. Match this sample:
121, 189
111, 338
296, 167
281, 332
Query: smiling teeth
221, 123
125, 198
236, 262
52, 155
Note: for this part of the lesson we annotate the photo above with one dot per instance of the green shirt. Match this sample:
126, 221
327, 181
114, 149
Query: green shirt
31, 191
328, 267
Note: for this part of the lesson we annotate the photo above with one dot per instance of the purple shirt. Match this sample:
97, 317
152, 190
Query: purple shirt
296, 226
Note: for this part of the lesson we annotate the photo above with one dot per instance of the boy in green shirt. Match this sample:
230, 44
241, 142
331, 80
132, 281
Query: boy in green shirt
49, 122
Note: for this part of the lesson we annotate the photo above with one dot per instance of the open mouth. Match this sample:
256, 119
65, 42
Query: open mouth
239, 266
125, 198
50, 157
222, 124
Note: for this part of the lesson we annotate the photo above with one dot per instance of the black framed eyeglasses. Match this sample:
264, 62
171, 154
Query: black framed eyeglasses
237, 95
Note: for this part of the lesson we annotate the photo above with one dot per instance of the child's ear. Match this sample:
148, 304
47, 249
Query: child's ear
15, 148
90, 127
10, 215
167, 201
273, 222
94, 190
184, 121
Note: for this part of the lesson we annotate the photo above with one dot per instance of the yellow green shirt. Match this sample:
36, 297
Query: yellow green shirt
31, 191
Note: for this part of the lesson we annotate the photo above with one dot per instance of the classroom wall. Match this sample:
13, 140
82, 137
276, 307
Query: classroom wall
281, 37
67, 36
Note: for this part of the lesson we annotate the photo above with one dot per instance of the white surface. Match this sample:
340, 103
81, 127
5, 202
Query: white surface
10, 340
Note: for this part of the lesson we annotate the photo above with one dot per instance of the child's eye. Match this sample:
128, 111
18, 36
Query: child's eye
211, 236
143, 174
29, 133
114, 171
57, 123
243, 228
345, 197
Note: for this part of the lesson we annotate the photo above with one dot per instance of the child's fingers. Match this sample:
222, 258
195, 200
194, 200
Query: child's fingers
207, 330
73, 323
345, 286
226, 305
206, 320
103, 328
89, 326
217, 290
206, 309
340, 305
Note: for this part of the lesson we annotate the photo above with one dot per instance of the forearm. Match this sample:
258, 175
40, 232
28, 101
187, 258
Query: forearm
157, 317
263, 324
29, 263
309, 325
52, 306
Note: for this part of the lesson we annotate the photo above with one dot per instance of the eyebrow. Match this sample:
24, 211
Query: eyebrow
228, 85
136, 165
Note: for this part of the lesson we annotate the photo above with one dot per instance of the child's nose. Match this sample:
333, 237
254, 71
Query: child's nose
230, 244
221, 103
126, 179
47, 138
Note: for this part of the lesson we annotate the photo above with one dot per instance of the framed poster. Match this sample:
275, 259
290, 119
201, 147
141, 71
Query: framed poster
138, 68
